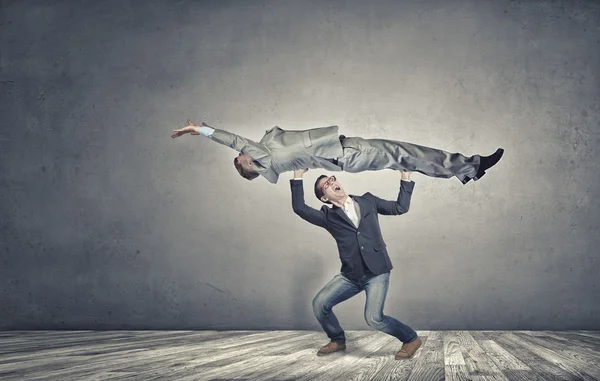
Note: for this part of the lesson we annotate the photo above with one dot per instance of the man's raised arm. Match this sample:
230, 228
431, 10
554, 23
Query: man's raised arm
314, 216
402, 204
246, 146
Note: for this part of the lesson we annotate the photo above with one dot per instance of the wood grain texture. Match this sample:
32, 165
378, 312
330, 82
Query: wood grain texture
430, 364
291, 355
478, 363
536, 358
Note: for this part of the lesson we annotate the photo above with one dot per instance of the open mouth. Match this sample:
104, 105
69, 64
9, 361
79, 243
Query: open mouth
336, 188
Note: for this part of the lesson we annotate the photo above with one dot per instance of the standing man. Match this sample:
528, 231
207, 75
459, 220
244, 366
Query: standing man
353, 222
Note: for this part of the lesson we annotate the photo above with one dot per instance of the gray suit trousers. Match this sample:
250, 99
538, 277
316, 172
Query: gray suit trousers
376, 154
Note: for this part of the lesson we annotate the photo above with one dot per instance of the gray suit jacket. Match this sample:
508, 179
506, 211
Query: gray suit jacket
366, 240
280, 150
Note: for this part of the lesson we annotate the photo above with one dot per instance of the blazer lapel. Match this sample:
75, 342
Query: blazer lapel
342, 214
362, 208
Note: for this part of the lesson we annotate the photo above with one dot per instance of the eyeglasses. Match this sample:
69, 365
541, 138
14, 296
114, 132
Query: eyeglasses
327, 183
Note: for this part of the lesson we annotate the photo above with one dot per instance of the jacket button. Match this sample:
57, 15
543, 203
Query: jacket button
358, 233
362, 247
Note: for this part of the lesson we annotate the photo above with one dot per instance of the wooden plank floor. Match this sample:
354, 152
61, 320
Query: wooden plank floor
291, 355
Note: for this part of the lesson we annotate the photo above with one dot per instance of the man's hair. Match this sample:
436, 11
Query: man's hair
319, 191
250, 175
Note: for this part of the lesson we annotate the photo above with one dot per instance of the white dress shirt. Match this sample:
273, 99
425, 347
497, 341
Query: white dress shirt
349, 207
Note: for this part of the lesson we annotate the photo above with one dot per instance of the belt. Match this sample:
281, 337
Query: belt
335, 160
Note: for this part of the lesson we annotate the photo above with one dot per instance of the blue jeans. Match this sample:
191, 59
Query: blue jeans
341, 288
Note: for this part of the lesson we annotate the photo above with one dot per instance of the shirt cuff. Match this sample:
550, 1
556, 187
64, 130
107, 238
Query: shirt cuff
206, 131
297, 178
410, 181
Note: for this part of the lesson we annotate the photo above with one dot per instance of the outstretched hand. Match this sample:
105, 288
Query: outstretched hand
190, 128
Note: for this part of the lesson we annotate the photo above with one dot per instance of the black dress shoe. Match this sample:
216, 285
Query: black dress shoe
487, 162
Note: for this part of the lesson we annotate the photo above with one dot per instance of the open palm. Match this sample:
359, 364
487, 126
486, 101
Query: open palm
190, 128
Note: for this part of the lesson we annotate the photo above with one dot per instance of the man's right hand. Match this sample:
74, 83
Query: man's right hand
299, 172
405, 175
190, 128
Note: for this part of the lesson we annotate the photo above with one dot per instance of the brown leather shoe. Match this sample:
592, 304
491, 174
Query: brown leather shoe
408, 349
330, 348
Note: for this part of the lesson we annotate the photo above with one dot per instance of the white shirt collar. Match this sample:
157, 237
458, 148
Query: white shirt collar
348, 203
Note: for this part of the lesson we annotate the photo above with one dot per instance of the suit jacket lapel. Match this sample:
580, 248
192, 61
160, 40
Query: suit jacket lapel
362, 208
343, 214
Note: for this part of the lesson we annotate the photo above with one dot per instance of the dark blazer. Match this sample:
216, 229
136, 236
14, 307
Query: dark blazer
351, 241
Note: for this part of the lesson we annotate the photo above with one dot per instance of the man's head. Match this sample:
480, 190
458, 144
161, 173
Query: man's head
243, 164
329, 190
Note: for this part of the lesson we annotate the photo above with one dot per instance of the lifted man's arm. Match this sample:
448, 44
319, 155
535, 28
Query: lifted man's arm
246, 146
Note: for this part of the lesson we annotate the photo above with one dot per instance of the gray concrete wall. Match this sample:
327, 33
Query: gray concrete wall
107, 222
